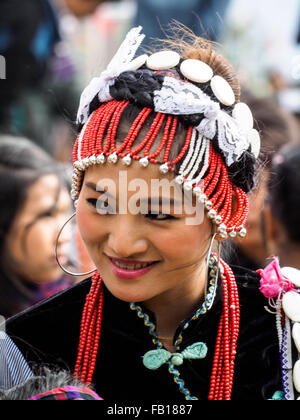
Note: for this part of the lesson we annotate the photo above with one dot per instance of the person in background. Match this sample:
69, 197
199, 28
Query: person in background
282, 207
80, 8
29, 33
40, 91
34, 203
277, 127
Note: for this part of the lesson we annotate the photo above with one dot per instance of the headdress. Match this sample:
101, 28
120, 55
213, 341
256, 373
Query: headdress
221, 145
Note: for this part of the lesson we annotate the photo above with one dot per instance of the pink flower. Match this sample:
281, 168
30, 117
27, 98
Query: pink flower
272, 281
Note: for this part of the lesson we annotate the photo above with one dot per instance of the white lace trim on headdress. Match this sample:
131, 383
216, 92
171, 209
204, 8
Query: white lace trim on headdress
179, 98
119, 63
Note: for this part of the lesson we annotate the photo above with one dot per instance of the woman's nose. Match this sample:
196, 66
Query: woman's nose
125, 239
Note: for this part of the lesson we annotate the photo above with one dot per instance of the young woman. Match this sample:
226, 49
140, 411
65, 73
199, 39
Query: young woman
34, 202
163, 317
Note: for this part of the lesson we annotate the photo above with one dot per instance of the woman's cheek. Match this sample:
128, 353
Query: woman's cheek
90, 225
185, 240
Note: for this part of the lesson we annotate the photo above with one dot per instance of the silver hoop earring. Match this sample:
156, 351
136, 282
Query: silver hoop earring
56, 244
207, 266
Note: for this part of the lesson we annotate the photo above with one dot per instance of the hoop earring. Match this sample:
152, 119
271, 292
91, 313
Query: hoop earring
56, 244
207, 266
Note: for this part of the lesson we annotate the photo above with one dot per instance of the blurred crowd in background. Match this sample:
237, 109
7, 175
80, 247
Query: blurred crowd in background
52, 49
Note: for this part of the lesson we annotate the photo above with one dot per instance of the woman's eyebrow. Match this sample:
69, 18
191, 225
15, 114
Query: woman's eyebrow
97, 188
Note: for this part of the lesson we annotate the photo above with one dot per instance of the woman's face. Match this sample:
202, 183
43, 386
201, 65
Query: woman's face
31, 240
142, 255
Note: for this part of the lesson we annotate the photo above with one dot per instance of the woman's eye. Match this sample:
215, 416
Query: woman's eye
101, 206
159, 216
92, 201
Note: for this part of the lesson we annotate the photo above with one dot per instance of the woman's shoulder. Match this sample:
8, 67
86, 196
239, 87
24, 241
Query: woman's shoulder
246, 277
37, 330
252, 302
248, 283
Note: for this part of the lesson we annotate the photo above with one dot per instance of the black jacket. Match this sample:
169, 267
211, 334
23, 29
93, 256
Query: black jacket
49, 333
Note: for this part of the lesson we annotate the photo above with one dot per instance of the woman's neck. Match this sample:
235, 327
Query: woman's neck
175, 305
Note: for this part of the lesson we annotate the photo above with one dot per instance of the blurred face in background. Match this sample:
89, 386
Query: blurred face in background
253, 245
30, 243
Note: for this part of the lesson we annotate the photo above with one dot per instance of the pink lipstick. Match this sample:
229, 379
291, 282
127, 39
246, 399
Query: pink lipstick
130, 269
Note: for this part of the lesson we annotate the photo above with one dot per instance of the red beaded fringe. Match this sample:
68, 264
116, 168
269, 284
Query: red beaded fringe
90, 332
225, 351
104, 123
216, 184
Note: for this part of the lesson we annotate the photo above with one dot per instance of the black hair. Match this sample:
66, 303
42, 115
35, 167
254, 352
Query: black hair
44, 380
22, 163
284, 190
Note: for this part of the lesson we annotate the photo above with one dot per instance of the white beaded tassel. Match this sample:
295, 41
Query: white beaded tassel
198, 152
196, 161
203, 152
191, 152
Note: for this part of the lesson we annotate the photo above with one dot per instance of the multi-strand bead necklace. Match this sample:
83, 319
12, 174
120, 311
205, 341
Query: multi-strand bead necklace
221, 381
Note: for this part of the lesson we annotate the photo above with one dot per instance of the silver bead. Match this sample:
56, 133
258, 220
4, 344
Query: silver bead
179, 179
85, 163
232, 234
202, 198
218, 219
242, 232
144, 162
208, 205
223, 235
75, 203
212, 214
127, 160
93, 160
197, 191
74, 194
112, 158
100, 159
164, 169
222, 232
77, 165
222, 227
187, 186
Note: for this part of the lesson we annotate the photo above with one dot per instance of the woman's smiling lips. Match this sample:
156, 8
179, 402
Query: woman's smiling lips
130, 269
